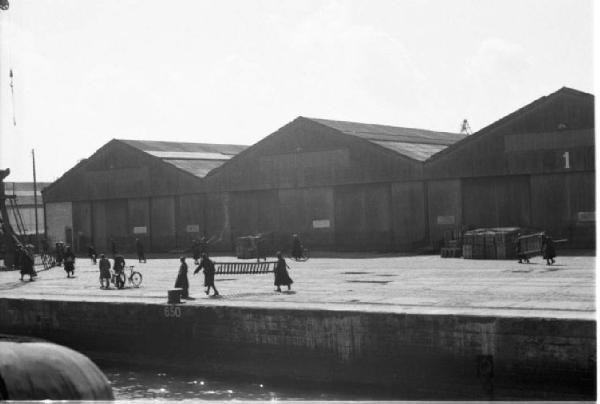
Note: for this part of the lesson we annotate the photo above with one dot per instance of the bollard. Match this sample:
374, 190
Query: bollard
35, 370
174, 296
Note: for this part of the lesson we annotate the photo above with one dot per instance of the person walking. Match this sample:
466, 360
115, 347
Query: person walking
296, 247
182, 279
59, 252
104, 272
282, 277
209, 273
45, 246
196, 251
519, 251
548, 250
139, 247
69, 262
92, 253
26, 263
113, 248
119, 269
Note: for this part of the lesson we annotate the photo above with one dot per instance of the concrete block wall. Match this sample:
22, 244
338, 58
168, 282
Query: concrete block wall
407, 356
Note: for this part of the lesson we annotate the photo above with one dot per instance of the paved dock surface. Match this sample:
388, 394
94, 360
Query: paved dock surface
381, 283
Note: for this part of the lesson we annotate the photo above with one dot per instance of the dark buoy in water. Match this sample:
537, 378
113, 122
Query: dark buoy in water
37, 370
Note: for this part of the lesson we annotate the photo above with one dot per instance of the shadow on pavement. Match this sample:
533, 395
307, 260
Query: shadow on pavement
13, 285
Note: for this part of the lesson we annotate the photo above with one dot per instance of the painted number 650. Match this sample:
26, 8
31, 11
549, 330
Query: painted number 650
173, 311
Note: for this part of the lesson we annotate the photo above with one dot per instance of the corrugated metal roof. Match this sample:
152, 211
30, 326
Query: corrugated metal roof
189, 155
197, 159
199, 168
416, 151
160, 146
417, 144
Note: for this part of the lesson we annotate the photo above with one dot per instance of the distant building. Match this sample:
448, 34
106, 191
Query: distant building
341, 185
24, 200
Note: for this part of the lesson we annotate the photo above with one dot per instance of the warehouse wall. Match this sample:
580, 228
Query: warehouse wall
363, 218
565, 205
190, 219
444, 208
138, 215
82, 226
496, 202
162, 224
218, 221
59, 222
409, 217
99, 227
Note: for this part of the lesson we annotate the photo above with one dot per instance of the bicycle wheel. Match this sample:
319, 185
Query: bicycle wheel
304, 256
136, 279
120, 281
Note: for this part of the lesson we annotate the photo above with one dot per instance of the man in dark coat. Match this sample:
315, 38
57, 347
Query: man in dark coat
60, 252
203, 245
296, 247
519, 251
282, 277
119, 268
69, 262
548, 250
209, 273
182, 279
104, 272
196, 251
139, 247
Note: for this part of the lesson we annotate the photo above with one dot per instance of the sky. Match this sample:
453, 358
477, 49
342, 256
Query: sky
226, 71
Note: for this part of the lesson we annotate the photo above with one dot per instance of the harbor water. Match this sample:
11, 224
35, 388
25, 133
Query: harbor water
145, 383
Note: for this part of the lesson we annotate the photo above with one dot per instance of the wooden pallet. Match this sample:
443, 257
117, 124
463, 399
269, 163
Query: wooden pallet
223, 268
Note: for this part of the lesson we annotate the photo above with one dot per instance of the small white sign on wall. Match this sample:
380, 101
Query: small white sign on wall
445, 220
140, 230
586, 216
321, 224
192, 228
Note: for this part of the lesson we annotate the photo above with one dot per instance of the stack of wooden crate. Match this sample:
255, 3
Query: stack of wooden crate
492, 243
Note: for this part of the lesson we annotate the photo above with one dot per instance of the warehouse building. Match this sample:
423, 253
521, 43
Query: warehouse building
133, 189
341, 185
533, 168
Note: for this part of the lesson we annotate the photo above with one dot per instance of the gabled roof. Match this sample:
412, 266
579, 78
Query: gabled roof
513, 115
417, 144
197, 159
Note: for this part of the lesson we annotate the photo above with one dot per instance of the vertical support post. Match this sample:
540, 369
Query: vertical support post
37, 233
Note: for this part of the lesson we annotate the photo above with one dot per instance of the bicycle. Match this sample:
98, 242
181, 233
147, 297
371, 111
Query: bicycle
302, 258
119, 278
48, 261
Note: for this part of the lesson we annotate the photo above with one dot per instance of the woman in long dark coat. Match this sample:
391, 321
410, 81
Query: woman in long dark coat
209, 273
182, 279
282, 277
26, 262
69, 262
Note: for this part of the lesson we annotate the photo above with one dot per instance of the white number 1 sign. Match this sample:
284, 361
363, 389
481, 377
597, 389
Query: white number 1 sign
566, 156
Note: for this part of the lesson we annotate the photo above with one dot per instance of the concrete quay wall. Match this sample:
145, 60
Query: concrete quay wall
409, 356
